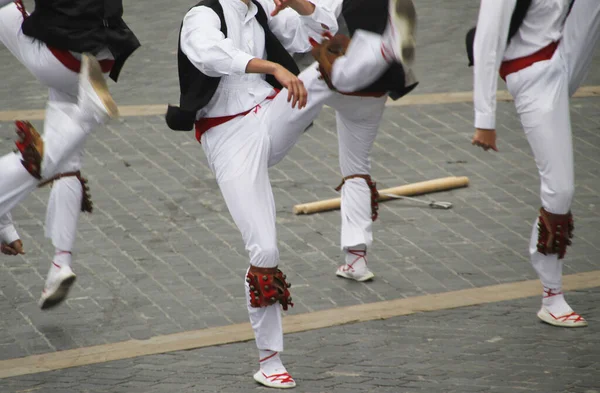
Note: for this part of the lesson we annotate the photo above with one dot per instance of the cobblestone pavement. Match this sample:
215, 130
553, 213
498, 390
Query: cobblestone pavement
161, 254
496, 348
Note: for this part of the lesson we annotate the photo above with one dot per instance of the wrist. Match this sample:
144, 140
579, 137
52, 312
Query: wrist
273, 68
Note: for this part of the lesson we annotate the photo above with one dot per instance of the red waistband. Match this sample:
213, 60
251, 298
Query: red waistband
516, 65
375, 94
71, 62
206, 123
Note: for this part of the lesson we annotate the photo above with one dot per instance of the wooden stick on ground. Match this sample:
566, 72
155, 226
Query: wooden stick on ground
442, 184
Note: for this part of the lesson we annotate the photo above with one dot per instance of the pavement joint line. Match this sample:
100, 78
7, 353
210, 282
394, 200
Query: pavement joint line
410, 100
292, 324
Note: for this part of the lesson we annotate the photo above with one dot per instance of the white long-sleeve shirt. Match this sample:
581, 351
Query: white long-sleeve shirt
8, 233
543, 24
227, 57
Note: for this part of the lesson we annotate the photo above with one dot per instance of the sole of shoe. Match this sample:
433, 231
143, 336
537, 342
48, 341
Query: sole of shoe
364, 278
59, 295
404, 20
99, 85
261, 380
544, 317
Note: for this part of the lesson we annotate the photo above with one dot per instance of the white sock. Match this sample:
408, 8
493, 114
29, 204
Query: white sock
554, 301
270, 363
61, 258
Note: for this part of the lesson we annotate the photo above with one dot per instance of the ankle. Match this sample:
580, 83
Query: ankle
270, 362
356, 257
61, 258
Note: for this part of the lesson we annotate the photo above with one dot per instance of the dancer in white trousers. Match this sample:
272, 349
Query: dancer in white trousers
94, 106
358, 115
49, 46
543, 63
245, 126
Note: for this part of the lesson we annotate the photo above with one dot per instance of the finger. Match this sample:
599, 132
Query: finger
7, 250
296, 93
290, 93
18, 247
303, 95
279, 6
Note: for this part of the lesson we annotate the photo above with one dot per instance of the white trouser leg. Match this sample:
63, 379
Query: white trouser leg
362, 64
580, 39
542, 101
34, 55
64, 206
15, 182
357, 120
238, 154
64, 203
285, 124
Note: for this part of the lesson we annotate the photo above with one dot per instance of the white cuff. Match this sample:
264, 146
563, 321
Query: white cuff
240, 62
485, 121
9, 234
315, 18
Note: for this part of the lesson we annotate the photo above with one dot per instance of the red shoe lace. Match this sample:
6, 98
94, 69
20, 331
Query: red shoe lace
569, 317
359, 254
549, 292
283, 378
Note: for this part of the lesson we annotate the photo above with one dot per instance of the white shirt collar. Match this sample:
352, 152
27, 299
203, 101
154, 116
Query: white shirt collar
245, 12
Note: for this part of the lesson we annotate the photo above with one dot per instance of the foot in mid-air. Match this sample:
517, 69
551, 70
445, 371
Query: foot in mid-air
399, 40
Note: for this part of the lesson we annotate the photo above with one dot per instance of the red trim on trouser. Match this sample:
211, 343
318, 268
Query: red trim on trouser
516, 65
71, 62
206, 123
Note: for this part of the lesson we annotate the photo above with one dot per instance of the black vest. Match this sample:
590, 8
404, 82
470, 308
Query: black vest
83, 26
516, 21
372, 15
197, 89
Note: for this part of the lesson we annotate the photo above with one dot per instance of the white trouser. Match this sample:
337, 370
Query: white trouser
363, 55
64, 134
357, 120
580, 39
541, 94
240, 152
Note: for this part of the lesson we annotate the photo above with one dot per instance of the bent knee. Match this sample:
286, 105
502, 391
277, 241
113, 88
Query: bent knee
265, 256
558, 199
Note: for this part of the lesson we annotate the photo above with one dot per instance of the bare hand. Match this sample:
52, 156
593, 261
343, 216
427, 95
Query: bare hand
302, 7
486, 139
297, 93
13, 248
